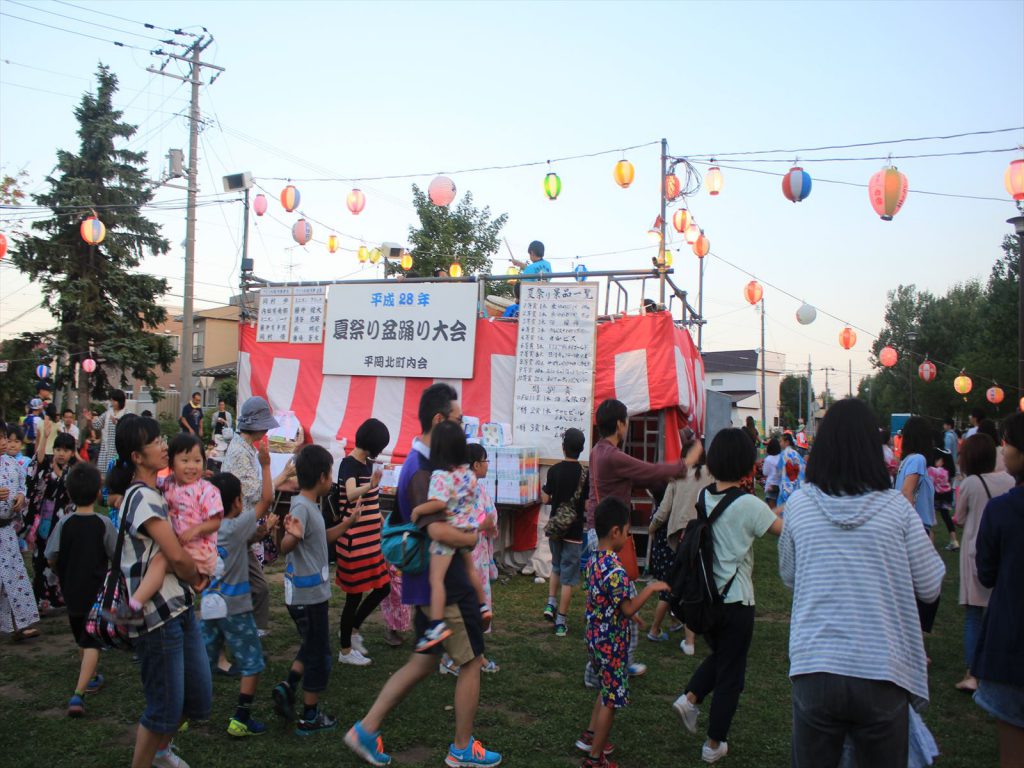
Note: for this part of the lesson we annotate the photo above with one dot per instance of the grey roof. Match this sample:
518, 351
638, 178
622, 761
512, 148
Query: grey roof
218, 371
735, 360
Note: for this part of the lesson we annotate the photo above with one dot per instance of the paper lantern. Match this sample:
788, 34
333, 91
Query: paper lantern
995, 395
512, 271
3, 245
455, 270
753, 292
259, 204
356, 201
1014, 179
847, 338
701, 246
927, 371
1020, 404
623, 173
681, 220
654, 235
93, 231
673, 187
962, 383
332, 243
88, 365
668, 258
888, 357
42, 372
887, 191
796, 184
375, 255
363, 254
806, 314
441, 191
406, 261
552, 186
290, 198
302, 231
580, 272
713, 180
692, 232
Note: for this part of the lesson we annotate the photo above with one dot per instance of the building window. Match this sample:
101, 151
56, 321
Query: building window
718, 382
174, 341
197, 346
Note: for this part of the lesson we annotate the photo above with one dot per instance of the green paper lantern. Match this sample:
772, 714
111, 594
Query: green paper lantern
552, 186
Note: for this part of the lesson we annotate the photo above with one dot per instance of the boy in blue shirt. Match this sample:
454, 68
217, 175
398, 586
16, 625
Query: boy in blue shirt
538, 264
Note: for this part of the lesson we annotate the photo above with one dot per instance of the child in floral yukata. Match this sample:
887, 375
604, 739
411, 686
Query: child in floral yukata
609, 610
17, 603
195, 509
454, 491
792, 474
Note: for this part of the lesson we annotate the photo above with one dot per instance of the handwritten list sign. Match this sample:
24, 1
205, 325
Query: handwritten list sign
275, 317
308, 314
554, 387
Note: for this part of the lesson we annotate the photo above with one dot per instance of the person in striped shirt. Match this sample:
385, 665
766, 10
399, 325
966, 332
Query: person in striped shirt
857, 558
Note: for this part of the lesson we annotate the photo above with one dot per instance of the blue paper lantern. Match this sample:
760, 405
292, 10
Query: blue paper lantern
796, 184
43, 372
581, 273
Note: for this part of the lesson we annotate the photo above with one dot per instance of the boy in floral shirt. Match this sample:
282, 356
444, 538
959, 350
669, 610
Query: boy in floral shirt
609, 609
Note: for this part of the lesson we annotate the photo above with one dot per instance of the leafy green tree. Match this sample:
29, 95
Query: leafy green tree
793, 399
17, 385
100, 306
458, 232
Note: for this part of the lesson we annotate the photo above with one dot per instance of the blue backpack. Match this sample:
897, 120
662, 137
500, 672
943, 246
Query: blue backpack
405, 546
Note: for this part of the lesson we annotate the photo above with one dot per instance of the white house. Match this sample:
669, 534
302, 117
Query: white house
737, 373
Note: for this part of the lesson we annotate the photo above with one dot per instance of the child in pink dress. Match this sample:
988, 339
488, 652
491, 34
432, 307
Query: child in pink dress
195, 510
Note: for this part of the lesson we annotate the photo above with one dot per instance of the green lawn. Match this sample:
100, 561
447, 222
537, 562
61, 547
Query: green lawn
531, 711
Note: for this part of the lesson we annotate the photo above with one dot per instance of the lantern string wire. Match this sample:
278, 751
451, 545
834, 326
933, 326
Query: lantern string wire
712, 156
888, 157
94, 23
80, 34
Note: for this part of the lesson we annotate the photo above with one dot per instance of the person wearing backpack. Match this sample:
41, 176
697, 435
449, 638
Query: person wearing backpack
566, 490
735, 519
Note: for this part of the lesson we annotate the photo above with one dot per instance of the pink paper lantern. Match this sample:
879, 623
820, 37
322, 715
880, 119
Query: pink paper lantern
88, 365
259, 204
441, 191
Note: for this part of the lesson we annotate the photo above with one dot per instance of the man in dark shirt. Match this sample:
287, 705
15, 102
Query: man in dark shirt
191, 419
439, 402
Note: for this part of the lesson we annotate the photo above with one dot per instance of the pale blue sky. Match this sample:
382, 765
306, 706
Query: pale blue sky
351, 89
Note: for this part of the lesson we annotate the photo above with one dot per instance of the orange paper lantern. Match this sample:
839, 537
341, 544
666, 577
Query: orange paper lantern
753, 292
995, 395
847, 338
624, 173
888, 357
681, 220
3, 245
701, 246
1014, 179
673, 187
455, 270
962, 383
406, 261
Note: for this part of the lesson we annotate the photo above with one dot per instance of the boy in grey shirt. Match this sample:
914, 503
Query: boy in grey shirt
307, 590
227, 615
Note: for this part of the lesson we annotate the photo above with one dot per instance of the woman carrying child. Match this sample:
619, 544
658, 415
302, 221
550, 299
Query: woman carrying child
175, 671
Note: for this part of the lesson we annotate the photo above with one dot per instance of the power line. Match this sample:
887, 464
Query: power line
73, 32
852, 146
147, 25
93, 23
874, 158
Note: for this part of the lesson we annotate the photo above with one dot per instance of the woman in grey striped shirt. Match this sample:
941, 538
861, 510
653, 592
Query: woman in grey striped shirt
856, 556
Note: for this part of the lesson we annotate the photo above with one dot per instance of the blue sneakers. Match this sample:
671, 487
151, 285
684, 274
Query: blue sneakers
473, 755
94, 685
369, 746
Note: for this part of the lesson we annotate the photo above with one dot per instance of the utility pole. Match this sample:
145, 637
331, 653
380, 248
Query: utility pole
661, 218
193, 57
799, 400
824, 399
764, 392
810, 396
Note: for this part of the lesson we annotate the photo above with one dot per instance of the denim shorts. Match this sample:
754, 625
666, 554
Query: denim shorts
176, 678
565, 561
1003, 701
239, 633
315, 651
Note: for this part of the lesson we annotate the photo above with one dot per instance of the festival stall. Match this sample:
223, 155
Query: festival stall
647, 361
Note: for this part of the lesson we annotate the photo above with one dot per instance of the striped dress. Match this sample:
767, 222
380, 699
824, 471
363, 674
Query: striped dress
360, 562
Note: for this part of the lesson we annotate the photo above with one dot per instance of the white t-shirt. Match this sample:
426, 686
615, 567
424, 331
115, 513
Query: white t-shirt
772, 470
746, 519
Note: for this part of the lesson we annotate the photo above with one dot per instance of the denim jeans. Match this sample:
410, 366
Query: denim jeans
315, 650
973, 615
827, 708
176, 677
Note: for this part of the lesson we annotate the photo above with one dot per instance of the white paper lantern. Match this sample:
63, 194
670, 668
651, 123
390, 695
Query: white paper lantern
806, 314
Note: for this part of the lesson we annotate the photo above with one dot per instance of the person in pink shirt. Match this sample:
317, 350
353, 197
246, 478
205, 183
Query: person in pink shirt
939, 473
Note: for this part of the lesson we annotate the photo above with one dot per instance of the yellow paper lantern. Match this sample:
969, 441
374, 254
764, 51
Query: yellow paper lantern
406, 261
624, 173
668, 259
455, 270
962, 383
332, 243
681, 220
363, 254
375, 255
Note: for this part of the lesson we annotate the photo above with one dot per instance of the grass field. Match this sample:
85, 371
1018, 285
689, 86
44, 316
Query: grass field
531, 711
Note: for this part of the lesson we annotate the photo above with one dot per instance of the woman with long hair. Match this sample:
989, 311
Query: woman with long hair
857, 559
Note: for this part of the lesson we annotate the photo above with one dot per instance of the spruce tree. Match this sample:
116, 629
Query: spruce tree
100, 305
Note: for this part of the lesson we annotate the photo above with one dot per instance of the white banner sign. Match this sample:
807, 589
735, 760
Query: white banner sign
424, 330
554, 387
275, 317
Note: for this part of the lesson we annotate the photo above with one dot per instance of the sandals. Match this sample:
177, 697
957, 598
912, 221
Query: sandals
24, 634
967, 685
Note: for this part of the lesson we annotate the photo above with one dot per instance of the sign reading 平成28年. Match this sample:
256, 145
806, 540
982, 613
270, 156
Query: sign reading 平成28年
425, 330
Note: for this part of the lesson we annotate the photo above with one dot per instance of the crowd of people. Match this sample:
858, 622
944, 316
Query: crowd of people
853, 514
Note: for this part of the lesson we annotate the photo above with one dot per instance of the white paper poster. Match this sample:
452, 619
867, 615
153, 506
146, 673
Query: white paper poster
275, 317
308, 304
423, 330
554, 387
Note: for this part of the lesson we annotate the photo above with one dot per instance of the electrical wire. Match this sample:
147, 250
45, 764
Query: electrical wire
718, 161
80, 34
178, 31
93, 23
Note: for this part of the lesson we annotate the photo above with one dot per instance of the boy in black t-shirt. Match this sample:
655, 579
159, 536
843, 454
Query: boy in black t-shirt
79, 551
563, 481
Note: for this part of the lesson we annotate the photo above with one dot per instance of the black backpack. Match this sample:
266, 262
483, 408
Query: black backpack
694, 598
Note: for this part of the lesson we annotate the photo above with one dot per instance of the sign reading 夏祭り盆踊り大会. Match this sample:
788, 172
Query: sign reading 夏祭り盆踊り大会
424, 330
